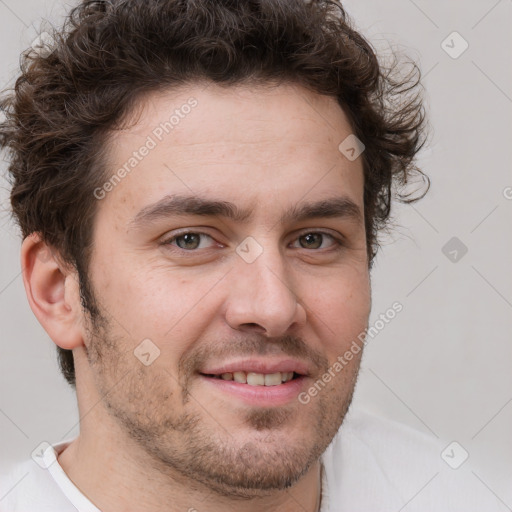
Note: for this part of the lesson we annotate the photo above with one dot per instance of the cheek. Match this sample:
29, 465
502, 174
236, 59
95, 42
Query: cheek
340, 309
161, 305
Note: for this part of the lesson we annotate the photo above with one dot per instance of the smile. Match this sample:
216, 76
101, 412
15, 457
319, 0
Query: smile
256, 379
258, 382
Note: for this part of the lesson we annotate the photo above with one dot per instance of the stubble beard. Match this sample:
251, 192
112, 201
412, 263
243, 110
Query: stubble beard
186, 448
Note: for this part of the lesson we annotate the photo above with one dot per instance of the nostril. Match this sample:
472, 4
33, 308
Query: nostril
253, 327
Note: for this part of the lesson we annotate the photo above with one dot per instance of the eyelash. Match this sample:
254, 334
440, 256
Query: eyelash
168, 242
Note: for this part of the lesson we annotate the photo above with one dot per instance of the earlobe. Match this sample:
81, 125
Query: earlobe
52, 291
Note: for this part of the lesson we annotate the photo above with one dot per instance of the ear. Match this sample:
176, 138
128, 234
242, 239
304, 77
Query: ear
53, 292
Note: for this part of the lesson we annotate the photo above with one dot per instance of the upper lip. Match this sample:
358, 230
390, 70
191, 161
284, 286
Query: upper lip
259, 366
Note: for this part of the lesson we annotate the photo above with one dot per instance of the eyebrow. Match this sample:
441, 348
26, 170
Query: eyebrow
177, 205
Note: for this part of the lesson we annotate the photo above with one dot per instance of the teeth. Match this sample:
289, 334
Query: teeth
258, 379
240, 377
286, 376
255, 379
273, 379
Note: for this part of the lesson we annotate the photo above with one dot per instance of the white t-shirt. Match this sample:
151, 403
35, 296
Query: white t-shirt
372, 465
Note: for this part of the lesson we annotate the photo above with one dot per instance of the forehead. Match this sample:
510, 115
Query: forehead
245, 144
243, 113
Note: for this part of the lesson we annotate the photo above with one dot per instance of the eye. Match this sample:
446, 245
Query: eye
189, 241
194, 240
315, 240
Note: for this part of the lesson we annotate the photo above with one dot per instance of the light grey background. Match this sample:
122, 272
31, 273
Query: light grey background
443, 365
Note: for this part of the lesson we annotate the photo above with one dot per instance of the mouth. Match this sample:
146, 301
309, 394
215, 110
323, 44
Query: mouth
260, 383
254, 378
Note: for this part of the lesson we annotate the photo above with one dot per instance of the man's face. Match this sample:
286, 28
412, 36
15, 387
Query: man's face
291, 298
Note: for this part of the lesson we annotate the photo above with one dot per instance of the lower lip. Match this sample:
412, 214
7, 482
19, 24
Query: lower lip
280, 394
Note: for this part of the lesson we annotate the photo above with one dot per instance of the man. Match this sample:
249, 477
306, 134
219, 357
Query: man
200, 186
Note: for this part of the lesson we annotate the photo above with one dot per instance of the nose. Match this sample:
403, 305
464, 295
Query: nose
262, 298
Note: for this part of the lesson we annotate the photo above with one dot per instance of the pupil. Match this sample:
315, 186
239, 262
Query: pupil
191, 241
311, 238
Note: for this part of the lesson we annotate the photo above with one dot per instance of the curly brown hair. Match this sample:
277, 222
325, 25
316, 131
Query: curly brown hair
109, 53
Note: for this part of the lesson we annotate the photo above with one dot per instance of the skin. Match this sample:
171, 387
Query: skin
159, 437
